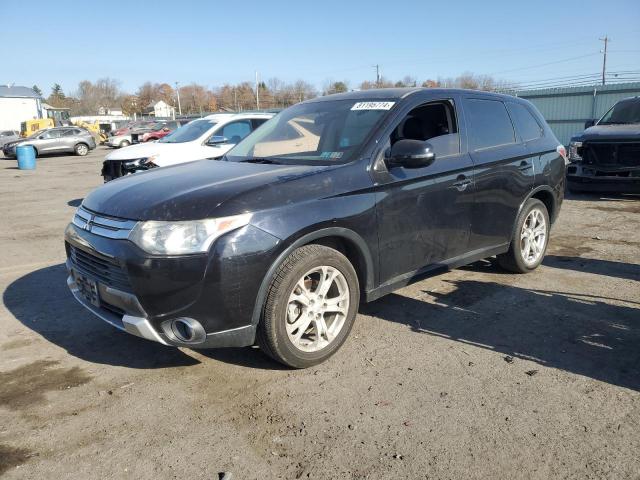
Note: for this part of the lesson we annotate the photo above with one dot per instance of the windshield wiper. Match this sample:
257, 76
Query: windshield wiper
261, 160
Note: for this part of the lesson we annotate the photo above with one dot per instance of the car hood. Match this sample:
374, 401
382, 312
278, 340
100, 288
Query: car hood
610, 132
142, 150
197, 190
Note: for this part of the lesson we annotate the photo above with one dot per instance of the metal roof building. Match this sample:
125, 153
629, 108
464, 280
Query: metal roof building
566, 109
8, 91
18, 104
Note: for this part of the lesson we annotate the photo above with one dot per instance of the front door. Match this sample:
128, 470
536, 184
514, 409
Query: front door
424, 214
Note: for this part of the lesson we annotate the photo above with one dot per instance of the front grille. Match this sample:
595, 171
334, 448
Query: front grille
103, 226
104, 271
617, 155
112, 169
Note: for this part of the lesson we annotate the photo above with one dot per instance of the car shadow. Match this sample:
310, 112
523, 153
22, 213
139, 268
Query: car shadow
601, 196
586, 335
628, 271
43, 303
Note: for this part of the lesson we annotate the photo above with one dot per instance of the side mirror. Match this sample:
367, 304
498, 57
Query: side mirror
411, 154
165, 129
217, 140
589, 123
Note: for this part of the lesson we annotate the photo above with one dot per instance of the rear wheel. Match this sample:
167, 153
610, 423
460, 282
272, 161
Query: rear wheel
124, 143
81, 149
310, 308
530, 239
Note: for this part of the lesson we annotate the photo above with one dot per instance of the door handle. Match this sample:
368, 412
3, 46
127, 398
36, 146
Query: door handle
524, 166
461, 183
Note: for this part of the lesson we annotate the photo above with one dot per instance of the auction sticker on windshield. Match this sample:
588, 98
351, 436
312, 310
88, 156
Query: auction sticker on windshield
373, 106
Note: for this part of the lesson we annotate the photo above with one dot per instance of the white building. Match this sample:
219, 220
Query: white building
117, 111
161, 109
18, 104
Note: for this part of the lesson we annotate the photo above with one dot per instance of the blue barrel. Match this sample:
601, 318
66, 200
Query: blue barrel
26, 157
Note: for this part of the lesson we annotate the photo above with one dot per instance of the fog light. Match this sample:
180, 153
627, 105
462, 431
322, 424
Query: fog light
185, 330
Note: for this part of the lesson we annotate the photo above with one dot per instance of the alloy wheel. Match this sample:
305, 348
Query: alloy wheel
533, 237
317, 308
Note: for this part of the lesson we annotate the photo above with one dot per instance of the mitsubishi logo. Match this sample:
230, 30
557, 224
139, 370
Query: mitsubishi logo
89, 223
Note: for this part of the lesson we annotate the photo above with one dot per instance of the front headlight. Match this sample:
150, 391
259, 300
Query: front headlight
138, 162
180, 238
573, 151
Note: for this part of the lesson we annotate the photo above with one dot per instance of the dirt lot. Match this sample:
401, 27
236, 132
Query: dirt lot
473, 374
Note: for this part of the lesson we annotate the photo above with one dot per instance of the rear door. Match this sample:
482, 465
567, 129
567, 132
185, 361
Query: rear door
503, 171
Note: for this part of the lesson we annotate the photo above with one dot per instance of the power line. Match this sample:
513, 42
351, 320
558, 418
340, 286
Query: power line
547, 63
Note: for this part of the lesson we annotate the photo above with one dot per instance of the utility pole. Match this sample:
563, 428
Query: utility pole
377, 67
257, 93
178, 93
604, 57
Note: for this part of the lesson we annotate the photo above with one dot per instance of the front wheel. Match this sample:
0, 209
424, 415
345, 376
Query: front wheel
530, 239
310, 307
125, 143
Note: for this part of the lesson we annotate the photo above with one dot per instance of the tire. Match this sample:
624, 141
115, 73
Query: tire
298, 277
515, 260
124, 143
81, 149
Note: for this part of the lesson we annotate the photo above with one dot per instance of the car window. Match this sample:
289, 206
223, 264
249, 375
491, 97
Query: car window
51, 134
235, 131
526, 124
189, 132
489, 124
321, 132
623, 112
434, 122
257, 122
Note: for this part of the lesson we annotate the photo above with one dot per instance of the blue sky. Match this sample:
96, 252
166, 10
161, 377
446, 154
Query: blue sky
216, 42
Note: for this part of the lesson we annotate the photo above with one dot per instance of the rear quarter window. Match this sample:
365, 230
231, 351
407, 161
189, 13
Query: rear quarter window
489, 124
526, 124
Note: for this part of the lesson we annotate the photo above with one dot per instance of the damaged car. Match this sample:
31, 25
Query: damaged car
606, 156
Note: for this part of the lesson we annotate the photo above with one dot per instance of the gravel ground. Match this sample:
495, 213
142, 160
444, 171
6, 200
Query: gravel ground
472, 374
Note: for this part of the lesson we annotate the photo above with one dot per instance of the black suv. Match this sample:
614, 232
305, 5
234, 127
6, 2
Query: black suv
606, 156
334, 200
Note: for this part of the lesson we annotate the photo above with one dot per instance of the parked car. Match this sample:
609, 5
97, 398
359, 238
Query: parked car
7, 136
132, 126
280, 241
209, 137
121, 137
161, 130
606, 156
55, 140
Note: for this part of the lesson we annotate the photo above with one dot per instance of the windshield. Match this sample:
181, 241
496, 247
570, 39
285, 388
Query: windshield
323, 132
626, 111
36, 133
188, 132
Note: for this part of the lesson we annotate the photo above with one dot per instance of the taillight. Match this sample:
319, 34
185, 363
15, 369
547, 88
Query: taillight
563, 153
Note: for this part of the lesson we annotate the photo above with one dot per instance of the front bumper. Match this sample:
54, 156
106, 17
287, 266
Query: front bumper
599, 179
9, 151
217, 289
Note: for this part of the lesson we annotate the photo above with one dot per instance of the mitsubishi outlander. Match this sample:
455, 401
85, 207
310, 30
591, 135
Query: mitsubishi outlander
334, 201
